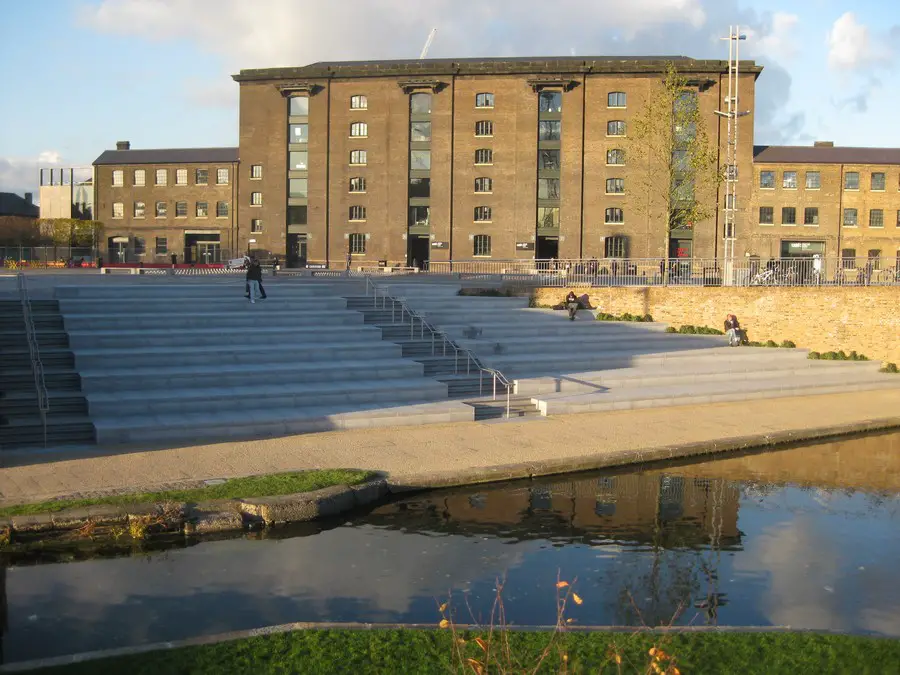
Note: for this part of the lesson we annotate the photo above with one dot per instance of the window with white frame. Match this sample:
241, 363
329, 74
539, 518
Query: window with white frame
420, 160
615, 157
766, 215
256, 226
202, 209
140, 177
299, 106
181, 209
162, 177
357, 243
298, 188
548, 216
878, 181
813, 180
484, 100
482, 214
484, 185
221, 176
118, 210
876, 217
615, 186
484, 156
118, 178
811, 215
161, 209
789, 180
256, 199
221, 209
357, 213
484, 128
615, 215
359, 130
614, 247
481, 245
616, 99
201, 176
359, 102
162, 245
615, 128
358, 184
139, 209
851, 180
850, 218
358, 157
255, 171
180, 176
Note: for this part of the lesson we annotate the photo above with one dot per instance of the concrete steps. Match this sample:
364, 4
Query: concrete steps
244, 316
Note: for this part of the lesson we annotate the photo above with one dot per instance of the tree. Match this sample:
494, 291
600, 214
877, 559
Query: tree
71, 232
678, 166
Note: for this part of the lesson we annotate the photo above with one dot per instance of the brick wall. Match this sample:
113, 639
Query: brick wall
822, 319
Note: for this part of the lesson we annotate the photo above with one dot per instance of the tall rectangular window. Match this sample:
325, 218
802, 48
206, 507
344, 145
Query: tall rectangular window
484, 128
297, 215
615, 99
766, 215
548, 188
357, 213
358, 157
298, 188
201, 176
357, 242
484, 156
256, 226
118, 210
788, 215
298, 133
358, 184
548, 160
550, 102
767, 180
481, 245
256, 199
484, 185
162, 246
162, 176
221, 209
615, 128
299, 106
614, 247
420, 187
420, 160
874, 258
359, 130
420, 104
202, 209
140, 177
139, 209
221, 176
118, 178
359, 102
813, 180
482, 214
851, 180
484, 100
615, 186
614, 215
298, 160
181, 209
419, 216
848, 258
180, 176
548, 216
876, 218
549, 130
140, 246
811, 215
878, 181
789, 180
850, 219
420, 132
161, 209
255, 171
615, 157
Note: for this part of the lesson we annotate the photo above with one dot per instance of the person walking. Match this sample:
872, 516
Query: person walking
254, 277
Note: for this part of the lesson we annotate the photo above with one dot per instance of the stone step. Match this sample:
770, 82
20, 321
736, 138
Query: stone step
250, 397
222, 355
21, 378
459, 303
587, 347
164, 289
527, 328
193, 428
231, 375
141, 305
260, 334
249, 316
711, 370
710, 392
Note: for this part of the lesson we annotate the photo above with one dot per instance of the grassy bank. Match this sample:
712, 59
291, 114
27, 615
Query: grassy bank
253, 486
425, 652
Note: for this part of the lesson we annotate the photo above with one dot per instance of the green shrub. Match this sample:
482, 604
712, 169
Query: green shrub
671, 329
815, 356
771, 343
890, 368
627, 317
648, 318
787, 344
842, 356
756, 344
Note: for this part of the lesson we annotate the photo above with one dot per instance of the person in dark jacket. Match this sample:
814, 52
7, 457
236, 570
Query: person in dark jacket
572, 304
254, 278
733, 330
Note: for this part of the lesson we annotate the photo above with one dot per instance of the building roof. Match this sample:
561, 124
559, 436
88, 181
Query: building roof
12, 204
804, 154
169, 156
493, 66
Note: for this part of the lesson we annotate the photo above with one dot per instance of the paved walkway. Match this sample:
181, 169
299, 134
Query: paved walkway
421, 455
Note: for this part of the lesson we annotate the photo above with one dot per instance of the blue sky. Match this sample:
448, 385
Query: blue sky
82, 74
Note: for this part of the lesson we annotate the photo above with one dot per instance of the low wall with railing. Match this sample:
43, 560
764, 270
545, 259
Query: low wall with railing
865, 319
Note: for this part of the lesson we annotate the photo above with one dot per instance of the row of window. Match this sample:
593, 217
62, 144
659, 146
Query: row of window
161, 209
549, 101
813, 180
481, 244
811, 216
201, 177
547, 216
548, 159
420, 132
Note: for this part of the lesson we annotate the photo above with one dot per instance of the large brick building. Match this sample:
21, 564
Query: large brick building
409, 161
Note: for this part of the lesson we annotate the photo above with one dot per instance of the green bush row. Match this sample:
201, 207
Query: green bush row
694, 330
639, 318
837, 356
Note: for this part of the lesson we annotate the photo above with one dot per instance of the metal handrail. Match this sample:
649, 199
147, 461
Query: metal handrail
470, 358
34, 352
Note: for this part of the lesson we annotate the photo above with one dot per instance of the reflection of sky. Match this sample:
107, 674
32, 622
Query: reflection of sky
809, 560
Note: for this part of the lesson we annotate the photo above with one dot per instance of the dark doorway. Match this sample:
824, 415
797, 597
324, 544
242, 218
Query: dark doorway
117, 248
418, 250
680, 248
547, 248
202, 249
296, 250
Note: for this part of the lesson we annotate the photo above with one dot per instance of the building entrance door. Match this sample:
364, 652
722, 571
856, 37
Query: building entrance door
117, 248
547, 248
296, 249
418, 250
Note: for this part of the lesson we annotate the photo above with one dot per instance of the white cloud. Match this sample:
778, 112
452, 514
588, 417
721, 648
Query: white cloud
20, 174
271, 33
852, 46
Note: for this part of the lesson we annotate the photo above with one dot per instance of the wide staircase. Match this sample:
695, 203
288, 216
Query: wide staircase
167, 361
66, 413
562, 366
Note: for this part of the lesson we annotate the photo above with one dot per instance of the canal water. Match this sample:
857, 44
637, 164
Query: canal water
807, 537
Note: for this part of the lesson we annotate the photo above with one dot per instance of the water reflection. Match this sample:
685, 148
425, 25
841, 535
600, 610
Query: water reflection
717, 542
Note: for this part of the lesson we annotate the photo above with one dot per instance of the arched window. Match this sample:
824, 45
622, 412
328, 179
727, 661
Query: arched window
359, 102
484, 184
482, 214
484, 156
615, 128
615, 186
484, 100
615, 157
616, 99
615, 215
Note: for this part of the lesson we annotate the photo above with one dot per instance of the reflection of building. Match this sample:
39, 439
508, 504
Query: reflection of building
67, 193
158, 203
672, 510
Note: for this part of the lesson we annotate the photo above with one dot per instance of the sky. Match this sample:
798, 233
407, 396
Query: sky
79, 75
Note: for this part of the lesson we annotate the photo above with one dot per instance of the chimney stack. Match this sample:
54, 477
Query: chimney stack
123, 145
823, 144
29, 198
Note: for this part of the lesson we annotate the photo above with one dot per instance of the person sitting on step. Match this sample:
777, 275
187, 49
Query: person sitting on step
733, 331
572, 304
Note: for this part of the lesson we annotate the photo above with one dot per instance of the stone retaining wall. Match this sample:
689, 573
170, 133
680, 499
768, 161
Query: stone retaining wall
866, 320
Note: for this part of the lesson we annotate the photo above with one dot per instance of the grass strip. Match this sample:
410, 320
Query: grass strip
234, 488
427, 652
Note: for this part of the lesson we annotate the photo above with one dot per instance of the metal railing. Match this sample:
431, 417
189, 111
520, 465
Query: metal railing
869, 271
34, 352
440, 342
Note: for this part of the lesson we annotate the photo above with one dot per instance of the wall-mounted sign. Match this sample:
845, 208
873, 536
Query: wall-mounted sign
316, 266
439, 244
382, 263
524, 245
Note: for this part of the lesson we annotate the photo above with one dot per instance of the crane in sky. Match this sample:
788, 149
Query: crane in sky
428, 43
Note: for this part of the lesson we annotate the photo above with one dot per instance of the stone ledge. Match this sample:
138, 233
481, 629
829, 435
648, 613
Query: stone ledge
301, 507
213, 516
